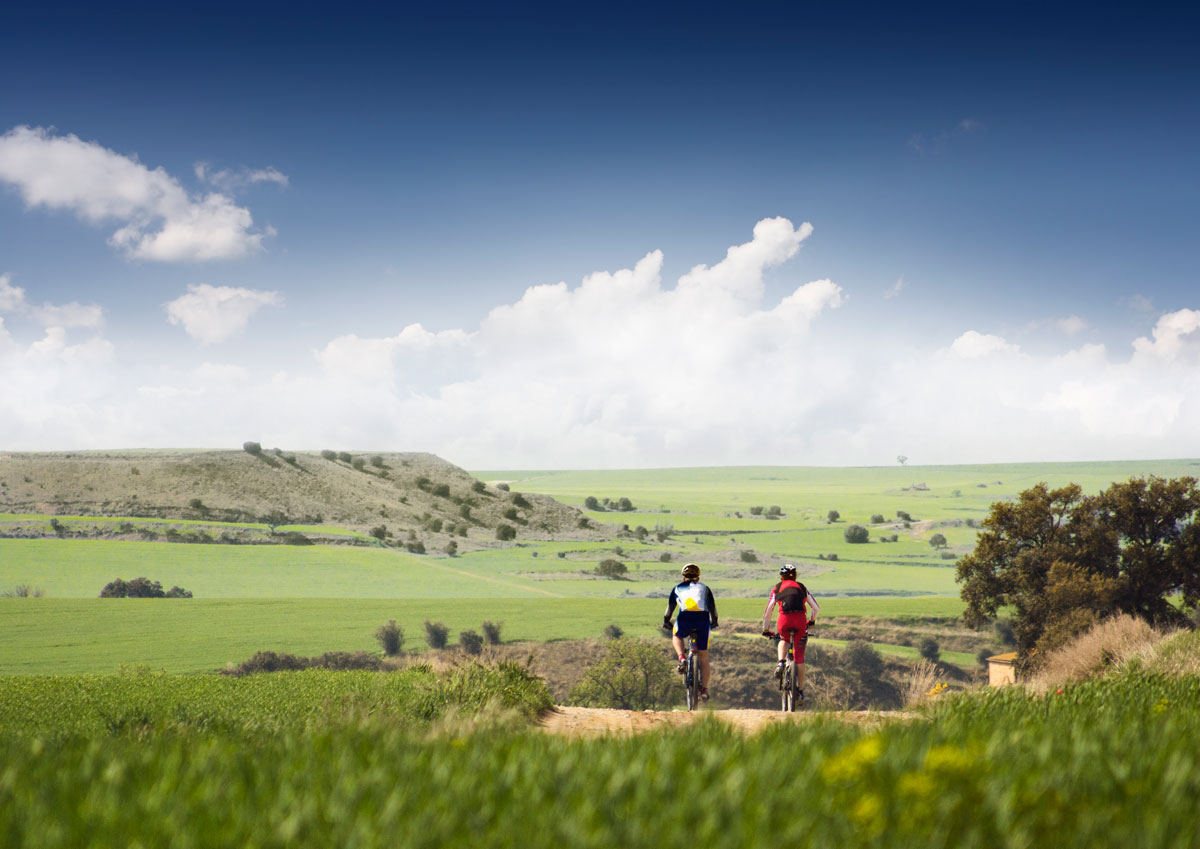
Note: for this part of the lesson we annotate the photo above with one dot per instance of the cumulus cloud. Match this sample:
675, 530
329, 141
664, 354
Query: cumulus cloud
158, 219
212, 313
626, 369
74, 314
12, 298
896, 288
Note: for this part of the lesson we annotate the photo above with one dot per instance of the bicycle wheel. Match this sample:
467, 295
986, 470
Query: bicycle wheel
692, 680
795, 689
785, 689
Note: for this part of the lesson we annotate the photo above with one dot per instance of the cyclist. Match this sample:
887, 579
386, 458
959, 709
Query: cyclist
697, 611
793, 623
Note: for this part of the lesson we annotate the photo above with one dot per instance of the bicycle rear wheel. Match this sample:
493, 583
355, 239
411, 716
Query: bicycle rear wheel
692, 681
785, 689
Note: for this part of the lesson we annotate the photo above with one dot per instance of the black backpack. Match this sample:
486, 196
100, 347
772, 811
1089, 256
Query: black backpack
791, 599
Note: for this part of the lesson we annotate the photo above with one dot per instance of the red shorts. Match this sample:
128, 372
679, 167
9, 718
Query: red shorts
797, 620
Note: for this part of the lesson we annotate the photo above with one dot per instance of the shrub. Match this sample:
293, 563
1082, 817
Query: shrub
359, 464
611, 568
634, 675
521, 501
613, 631
929, 649
479, 486
863, 662
748, 556
502, 486
831, 557
434, 525
423, 482
414, 547
442, 490
380, 532
877, 519
326, 454
470, 642
832, 516
390, 638
436, 634
756, 511
774, 511
619, 551
665, 557
196, 504
856, 534
465, 511
1095, 651
24, 591
504, 533
938, 540
452, 548
345, 456
254, 448
903, 515
177, 592
377, 461
641, 532
510, 513
920, 683
583, 522
491, 632
624, 504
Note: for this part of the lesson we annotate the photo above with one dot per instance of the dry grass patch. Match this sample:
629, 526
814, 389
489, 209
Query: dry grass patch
1103, 647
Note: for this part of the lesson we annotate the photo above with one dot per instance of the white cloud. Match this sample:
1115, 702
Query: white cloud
1071, 325
626, 369
896, 288
159, 219
12, 298
973, 344
212, 313
1175, 334
230, 180
74, 314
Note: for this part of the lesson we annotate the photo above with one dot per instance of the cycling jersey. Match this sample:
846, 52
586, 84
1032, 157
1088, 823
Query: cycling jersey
697, 611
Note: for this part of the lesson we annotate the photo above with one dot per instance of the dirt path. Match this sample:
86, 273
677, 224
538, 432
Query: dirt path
591, 722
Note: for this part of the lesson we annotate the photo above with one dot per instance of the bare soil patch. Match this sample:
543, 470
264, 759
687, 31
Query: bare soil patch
596, 722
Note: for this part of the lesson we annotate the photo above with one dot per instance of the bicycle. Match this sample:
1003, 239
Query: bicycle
791, 698
691, 672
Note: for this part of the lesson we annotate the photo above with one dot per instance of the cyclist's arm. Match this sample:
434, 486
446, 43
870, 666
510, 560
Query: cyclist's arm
770, 604
816, 608
670, 606
711, 603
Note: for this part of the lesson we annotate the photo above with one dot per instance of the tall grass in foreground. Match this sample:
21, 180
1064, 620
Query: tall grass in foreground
1112, 762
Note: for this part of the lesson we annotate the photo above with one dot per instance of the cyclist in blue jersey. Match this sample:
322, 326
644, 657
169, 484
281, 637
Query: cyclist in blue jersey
697, 612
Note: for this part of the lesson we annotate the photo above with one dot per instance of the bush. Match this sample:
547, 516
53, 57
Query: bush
380, 532
521, 501
24, 591
359, 464
452, 548
436, 634
326, 454
756, 511
442, 490
470, 642
140, 588
414, 547
196, 504
929, 649
491, 632
611, 569
345, 456
877, 519
774, 511
903, 516
177, 592
377, 461
434, 525
863, 662
254, 448
634, 675
479, 486
390, 638
624, 504
502, 486
510, 513
504, 533
856, 534
665, 557
748, 556
465, 511
832, 516
938, 541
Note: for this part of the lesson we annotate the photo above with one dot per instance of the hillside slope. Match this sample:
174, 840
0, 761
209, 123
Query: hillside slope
416, 497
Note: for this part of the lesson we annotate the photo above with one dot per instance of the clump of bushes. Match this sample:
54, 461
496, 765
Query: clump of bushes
877, 519
665, 557
903, 516
436, 634
491, 632
611, 569
254, 448
390, 637
856, 534
756, 511
929, 649
328, 455
774, 511
24, 591
504, 533
613, 631
748, 556
634, 675
269, 661
470, 642
141, 588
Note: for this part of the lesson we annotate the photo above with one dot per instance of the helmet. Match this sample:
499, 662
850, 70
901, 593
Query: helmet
691, 571
787, 570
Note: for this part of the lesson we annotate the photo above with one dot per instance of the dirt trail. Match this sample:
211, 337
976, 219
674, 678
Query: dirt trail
591, 722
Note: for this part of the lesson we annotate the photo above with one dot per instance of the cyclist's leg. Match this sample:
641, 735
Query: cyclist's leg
798, 654
702, 656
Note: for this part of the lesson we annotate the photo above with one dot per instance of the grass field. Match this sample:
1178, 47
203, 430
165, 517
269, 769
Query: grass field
202, 635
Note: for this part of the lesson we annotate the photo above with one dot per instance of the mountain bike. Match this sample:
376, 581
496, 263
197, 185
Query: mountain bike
691, 672
791, 698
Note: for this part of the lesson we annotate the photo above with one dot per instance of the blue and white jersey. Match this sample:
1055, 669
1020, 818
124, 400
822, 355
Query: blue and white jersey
692, 596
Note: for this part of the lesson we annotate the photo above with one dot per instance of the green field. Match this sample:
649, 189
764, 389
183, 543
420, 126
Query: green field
310, 599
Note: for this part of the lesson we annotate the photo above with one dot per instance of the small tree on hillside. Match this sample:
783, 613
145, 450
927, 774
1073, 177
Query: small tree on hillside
491, 632
938, 541
504, 533
832, 516
254, 448
390, 637
634, 675
611, 568
929, 649
877, 519
326, 454
856, 534
345, 456
470, 642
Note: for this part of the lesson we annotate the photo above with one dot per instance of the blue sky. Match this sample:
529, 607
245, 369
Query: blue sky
211, 216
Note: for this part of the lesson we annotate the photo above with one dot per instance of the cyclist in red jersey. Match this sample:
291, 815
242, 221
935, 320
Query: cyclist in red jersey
791, 596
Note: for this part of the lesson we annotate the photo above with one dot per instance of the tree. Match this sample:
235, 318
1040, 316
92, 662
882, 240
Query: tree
377, 461
938, 541
436, 634
856, 534
505, 533
452, 548
345, 456
634, 675
442, 490
774, 511
611, 568
624, 504
613, 631
390, 637
470, 642
592, 503
359, 464
901, 459
929, 649
254, 448
380, 532
1063, 560
491, 632
756, 510
877, 519
832, 516
863, 663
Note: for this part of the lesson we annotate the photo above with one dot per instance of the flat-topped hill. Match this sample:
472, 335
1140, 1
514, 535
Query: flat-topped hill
415, 496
